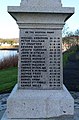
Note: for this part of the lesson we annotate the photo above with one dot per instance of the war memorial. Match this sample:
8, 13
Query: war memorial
40, 93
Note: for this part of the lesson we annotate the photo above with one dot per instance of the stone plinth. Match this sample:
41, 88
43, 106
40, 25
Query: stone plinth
38, 104
40, 92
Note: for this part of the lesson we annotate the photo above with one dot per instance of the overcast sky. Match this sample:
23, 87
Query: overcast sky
9, 28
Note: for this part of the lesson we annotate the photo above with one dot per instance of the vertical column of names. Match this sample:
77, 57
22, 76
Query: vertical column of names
33, 63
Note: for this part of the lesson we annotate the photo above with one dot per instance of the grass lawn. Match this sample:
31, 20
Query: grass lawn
8, 78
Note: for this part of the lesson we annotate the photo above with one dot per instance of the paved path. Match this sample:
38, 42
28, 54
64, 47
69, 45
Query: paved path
1, 113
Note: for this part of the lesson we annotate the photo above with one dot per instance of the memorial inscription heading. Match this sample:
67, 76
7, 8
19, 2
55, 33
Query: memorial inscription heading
40, 57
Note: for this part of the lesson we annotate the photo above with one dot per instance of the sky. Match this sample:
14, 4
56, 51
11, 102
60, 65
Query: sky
9, 28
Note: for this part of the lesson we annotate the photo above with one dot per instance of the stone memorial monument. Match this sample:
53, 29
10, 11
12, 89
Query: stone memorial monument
40, 92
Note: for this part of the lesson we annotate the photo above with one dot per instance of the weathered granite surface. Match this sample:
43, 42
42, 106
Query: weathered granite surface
3, 100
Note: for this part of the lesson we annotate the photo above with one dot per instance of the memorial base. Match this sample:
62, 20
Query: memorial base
55, 118
38, 104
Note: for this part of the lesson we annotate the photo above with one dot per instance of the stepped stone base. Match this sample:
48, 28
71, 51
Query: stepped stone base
39, 104
56, 118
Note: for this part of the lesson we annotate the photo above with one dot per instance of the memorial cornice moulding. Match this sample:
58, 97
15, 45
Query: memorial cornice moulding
40, 25
40, 8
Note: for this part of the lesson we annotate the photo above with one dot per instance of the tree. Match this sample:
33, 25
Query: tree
77, 36
65, 30
69, 39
